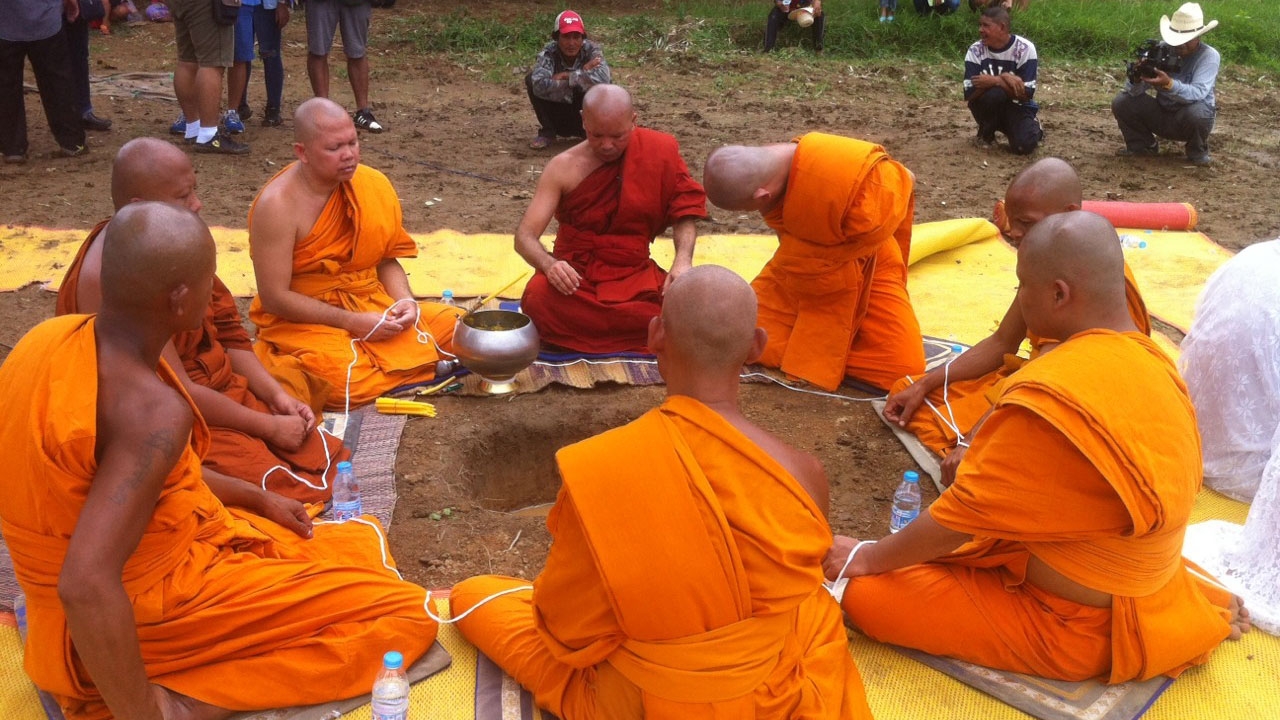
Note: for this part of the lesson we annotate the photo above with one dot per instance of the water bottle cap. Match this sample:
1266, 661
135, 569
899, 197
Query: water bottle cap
957, 349
911, 476
1142, 244
393, 660
447, 293
344, 466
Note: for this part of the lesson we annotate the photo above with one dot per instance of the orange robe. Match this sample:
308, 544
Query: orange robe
834, 296
684, 581
968, 400
205, 358
1091, 463
337, 263
231, 609
606, 225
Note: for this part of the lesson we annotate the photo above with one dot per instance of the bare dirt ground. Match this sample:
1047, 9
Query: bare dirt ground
456, 137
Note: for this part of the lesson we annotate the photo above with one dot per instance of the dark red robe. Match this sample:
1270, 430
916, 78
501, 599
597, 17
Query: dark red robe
606, 226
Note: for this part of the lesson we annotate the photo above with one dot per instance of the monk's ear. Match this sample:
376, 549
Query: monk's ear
178, 300
1061, 293
758, 341
657, 340
761, 198
300, 151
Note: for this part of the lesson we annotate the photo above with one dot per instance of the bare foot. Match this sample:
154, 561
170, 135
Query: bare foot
1240, 623
175, 706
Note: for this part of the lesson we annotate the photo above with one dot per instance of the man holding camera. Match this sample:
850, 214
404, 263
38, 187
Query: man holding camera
1183, 76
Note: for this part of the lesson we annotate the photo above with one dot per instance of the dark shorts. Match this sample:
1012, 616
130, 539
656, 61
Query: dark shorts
324, 17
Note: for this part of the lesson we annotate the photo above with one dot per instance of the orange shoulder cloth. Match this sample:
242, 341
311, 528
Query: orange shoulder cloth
649, 511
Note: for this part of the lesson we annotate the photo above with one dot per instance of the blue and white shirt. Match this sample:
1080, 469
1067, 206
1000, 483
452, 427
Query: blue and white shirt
1018, 57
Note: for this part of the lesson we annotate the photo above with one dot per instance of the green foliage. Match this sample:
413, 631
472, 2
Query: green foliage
1098, 32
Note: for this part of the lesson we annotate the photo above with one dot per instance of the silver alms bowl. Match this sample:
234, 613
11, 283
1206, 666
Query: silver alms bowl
496, 344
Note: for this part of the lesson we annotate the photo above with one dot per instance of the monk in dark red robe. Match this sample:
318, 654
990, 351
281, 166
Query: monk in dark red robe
597, 290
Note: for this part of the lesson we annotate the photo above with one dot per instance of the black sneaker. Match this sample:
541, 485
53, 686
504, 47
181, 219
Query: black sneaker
365, 120
71, 152
244, 111
224, 144
271, 117
1150, 151
93, 122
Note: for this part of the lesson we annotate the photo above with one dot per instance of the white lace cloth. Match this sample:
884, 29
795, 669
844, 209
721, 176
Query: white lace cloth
1231, 362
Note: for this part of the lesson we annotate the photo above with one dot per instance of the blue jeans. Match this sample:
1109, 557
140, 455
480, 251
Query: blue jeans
260, 23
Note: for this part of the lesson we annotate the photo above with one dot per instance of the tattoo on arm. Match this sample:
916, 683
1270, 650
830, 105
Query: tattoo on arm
156, 455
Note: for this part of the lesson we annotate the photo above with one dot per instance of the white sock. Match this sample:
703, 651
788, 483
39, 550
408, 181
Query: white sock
206, 134
193, 128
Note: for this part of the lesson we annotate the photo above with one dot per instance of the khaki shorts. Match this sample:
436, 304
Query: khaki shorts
200, 40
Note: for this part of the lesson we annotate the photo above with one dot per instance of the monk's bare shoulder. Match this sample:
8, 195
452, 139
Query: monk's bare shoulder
570, 167
805, 468
134, 405
277, 193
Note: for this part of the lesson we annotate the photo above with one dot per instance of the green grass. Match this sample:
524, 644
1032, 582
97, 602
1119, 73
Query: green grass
1094, 32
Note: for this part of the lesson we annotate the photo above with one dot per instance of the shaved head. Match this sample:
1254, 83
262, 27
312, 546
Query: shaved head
317, 115
709, 316
1044, 188
151, 169
734, 175
607, 101
1073, 257
608, 119
150, 250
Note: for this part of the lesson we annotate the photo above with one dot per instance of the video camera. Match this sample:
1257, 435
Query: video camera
1150, 56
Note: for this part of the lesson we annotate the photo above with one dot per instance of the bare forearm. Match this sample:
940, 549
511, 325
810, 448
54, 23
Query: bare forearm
261, 383
921, 541
684, 235
529, 246
218, 410
299, 308
233, 491
100, 620
394, 279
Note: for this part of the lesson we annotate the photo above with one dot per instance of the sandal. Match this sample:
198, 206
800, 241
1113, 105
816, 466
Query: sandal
540, 142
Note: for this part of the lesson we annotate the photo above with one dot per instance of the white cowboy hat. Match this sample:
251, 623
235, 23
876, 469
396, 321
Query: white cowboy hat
802, 16
1187, 25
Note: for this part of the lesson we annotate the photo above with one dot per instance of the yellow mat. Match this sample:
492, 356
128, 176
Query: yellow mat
1241, 680
447, 695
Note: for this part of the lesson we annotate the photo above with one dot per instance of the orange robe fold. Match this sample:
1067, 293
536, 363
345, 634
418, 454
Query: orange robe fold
606, 225
230, 609
337, 263
684, 581
304, 474
966, 401
834, 296
1091, 463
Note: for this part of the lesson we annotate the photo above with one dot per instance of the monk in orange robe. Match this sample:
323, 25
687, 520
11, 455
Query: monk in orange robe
834, 297
597, 290
333, 299
259, 432
146, 596
947, 423
1058, 550
685, 579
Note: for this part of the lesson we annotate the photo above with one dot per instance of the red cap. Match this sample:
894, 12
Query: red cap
570, 22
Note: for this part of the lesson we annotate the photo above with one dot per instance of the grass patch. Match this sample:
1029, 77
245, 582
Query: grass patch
714, 33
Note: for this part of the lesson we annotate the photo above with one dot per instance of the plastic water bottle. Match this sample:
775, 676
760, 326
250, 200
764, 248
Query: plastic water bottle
446, 298
346, 494
906, 502
1132, 242
391, 689
20, 615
